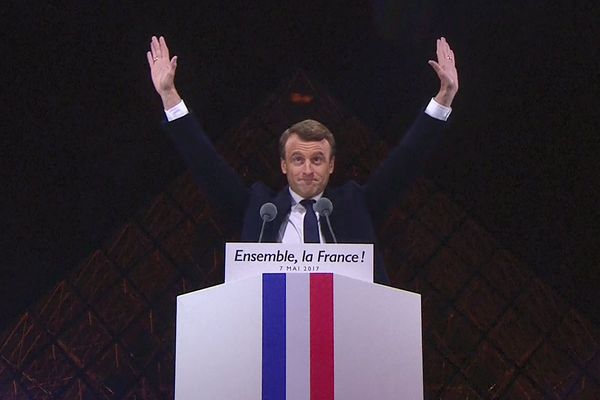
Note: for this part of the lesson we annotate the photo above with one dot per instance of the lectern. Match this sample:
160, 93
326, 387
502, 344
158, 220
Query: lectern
296, 335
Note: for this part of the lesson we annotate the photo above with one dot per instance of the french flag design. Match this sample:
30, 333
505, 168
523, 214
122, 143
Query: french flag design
298, 337
316, 336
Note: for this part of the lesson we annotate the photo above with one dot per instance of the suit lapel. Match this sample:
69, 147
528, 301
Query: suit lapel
323, 222
283, 203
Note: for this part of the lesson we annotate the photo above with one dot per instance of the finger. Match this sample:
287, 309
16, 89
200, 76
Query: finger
447, 53
150, 59
438, 50
444, 43
448, 50
445, 48
153, 46
164, 50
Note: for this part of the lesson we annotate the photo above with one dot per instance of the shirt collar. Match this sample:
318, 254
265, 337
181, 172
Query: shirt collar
296, 198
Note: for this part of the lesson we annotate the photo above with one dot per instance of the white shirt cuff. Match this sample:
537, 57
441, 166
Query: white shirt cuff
438, 111
177, 111
434, 110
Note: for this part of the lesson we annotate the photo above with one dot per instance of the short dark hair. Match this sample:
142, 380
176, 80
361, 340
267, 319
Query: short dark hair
308, 130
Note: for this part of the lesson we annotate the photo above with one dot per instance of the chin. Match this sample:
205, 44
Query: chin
307, 191
305, 194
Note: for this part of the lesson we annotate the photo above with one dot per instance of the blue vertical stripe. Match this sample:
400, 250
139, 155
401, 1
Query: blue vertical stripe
273, 338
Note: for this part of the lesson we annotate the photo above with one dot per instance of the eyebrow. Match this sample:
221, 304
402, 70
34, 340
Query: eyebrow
319, 152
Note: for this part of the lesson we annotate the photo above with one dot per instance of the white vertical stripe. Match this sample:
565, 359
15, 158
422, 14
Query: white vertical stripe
297, 337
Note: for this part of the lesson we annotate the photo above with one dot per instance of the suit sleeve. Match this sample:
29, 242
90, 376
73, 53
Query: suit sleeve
209, 169
403, 164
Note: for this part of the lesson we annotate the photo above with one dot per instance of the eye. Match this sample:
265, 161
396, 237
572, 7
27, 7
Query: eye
297, 160
318, 160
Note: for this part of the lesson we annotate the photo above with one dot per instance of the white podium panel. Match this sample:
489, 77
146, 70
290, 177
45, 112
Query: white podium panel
378, 349
218, 342
299, 336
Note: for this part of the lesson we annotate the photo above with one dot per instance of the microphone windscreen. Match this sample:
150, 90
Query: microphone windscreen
324, 206
268, 212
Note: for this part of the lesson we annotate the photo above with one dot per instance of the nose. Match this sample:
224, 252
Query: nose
307, 167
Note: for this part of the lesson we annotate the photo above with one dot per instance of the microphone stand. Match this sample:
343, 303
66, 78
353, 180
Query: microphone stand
330, 229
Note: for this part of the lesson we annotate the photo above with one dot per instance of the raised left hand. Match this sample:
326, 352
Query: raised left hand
162, 71
445, 68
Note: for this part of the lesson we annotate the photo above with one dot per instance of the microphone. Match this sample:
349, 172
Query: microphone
268, 212
325, 207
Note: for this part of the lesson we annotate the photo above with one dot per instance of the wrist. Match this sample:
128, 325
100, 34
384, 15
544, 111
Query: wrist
445, 97
170, 98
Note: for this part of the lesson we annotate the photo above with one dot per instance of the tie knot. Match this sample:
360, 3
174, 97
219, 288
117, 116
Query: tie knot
307, 203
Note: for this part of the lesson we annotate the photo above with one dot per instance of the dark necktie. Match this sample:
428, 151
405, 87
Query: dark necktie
311, 226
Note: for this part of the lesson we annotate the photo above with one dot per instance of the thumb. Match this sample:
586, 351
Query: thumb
436, 67
174, 62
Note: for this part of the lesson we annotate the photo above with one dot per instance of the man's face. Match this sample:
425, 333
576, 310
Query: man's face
307, 165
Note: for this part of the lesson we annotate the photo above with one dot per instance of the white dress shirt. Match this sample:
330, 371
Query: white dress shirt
292, 228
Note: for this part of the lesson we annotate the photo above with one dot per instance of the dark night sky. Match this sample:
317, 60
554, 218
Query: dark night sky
82, 148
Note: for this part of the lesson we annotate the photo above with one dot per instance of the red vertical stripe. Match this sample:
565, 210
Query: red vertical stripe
321, 337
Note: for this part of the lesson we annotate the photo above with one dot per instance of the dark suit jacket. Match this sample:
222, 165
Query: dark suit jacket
357, 208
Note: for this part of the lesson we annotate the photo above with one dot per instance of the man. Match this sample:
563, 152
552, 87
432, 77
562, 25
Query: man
307, 152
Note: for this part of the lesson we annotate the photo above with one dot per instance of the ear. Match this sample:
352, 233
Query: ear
331, 164
283, 166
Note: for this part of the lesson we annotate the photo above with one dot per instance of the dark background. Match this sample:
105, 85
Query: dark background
82, 148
